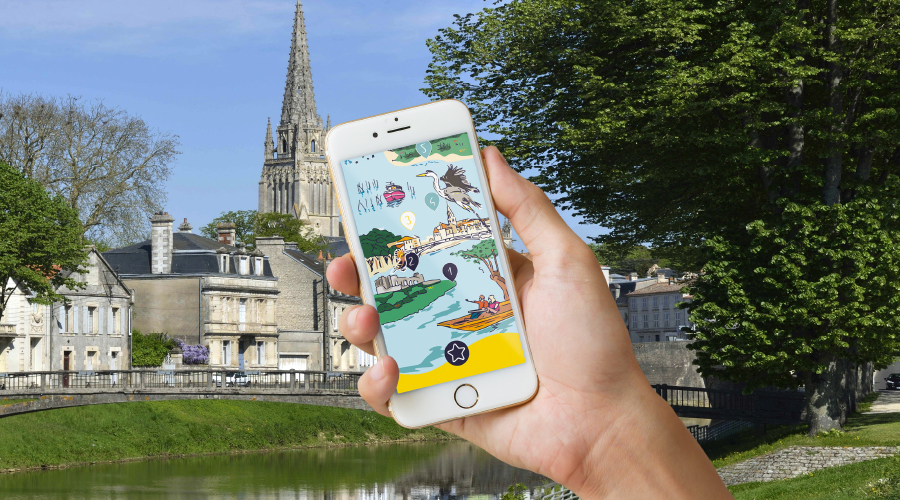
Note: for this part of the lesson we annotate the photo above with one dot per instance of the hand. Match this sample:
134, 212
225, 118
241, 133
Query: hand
595, 425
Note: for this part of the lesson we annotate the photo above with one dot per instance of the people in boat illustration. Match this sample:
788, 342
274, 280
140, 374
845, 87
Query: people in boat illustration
493, 305
456, 187
393, 194
482, 306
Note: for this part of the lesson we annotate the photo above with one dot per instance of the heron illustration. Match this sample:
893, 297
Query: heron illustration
457, 187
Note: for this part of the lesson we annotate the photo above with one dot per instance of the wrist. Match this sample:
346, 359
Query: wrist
647, 452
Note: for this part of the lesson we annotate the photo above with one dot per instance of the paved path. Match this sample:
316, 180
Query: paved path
887, 402
798, 460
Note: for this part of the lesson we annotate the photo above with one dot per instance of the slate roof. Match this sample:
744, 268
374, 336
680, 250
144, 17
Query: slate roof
660, 288
314, 264
192, 254
338, 245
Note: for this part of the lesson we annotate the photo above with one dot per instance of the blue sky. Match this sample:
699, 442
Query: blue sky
212, 71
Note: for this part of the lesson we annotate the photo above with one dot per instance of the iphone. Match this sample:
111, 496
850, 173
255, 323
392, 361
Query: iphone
420, 222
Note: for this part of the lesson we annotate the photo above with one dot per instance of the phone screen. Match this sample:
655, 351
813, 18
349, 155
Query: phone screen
442, 298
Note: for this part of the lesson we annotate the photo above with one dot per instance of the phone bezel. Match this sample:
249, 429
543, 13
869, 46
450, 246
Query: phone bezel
430, 405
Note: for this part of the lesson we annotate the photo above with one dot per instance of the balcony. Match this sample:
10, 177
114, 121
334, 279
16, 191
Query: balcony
8, 330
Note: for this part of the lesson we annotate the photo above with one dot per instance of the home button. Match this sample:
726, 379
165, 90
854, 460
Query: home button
466, 396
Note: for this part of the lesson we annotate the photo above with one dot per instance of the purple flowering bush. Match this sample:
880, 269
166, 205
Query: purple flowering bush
194, 354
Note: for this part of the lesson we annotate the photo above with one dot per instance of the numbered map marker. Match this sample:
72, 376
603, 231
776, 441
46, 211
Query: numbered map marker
432, 201
424, 149
450, 271
412, 261
408, 219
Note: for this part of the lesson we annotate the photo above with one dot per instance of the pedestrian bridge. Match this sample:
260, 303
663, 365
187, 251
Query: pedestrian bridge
58, 389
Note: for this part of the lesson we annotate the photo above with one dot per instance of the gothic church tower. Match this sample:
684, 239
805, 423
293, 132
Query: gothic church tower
295, 176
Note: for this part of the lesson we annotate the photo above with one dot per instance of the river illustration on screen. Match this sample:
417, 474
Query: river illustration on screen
426, 237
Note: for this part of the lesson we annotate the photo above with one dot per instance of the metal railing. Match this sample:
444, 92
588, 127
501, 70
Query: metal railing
187, 380
553, 491
778, 407
718, 430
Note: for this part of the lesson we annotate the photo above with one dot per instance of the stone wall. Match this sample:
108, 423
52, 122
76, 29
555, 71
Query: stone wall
668, 363
170, 305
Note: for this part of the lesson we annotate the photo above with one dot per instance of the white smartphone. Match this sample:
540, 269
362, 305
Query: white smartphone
421, 225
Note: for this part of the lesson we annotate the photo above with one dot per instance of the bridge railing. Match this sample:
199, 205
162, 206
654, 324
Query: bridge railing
212, 379
777, 407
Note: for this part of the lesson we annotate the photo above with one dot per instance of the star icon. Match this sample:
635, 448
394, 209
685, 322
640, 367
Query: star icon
456, 353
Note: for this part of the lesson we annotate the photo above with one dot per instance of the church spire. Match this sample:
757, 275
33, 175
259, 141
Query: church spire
269, 152
299, 105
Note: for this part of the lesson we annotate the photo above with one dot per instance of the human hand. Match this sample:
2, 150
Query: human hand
595, 425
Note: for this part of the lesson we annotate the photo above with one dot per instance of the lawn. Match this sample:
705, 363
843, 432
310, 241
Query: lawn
166, 428
862, 429
872, 479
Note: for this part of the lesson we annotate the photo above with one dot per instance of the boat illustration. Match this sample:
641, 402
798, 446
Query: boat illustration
486, 319
393, 192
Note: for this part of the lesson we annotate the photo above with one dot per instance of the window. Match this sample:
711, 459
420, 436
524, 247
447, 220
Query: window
642, 338
89, 360
633, 322
644, 303
260, 353
116, 321
657, 338
665, 301
655, 302
634, 304
93, 323
65, 319
226, 352
243, 265
666, 319
646, 323
678, 318
258, 266
312, 146
223, 264
260, 307
335, 314
656, 321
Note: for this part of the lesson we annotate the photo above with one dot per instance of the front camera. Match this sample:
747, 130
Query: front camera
374, 134
396, 119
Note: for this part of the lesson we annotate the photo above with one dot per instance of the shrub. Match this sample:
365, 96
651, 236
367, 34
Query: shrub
150, 349
194, 354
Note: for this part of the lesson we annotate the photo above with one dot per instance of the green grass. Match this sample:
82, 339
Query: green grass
871, 479
164, 428
862, 429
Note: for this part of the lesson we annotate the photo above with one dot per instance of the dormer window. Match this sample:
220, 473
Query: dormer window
243, 265
222, 258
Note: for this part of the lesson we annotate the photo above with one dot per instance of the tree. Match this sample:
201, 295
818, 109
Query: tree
150, 349
484, 252
109, 166
708, 128
244, 226
249, 225
637, 259
41, 248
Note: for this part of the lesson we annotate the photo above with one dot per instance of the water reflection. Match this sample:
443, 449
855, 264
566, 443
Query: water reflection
416, 471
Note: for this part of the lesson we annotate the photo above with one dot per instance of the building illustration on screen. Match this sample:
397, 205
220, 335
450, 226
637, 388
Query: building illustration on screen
432, 260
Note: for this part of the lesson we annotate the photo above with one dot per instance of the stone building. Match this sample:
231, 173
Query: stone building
295, 178
203, 291
88, 332
653, 313
392, 282
309, 310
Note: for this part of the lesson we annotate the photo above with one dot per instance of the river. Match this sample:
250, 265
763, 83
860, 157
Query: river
423, 471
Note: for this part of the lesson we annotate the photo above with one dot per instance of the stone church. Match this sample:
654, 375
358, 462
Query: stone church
295, 176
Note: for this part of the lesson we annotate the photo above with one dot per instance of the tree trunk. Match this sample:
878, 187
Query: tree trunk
495, 275
824, 398
833, 162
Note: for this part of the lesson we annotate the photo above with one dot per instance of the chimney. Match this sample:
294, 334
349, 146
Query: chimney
632, 276
185, 227
661, 277
226, 231
320, 257
161, 243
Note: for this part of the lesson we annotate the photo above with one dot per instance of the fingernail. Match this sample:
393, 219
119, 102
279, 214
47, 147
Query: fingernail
376, 373
351, 317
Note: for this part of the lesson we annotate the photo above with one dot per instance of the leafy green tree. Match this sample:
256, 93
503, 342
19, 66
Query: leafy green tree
291, 229
706, 129
374, 243
249, 224
485, 252
244, 226
151, 349
41, 248
637, 259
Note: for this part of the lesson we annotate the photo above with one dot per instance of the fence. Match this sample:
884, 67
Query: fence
776, 407
553, 491
718, 430
290, 380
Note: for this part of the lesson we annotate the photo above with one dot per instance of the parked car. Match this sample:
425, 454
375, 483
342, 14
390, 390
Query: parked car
893, 381
232, 379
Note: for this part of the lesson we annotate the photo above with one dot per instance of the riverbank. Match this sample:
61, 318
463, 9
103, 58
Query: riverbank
165, 429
